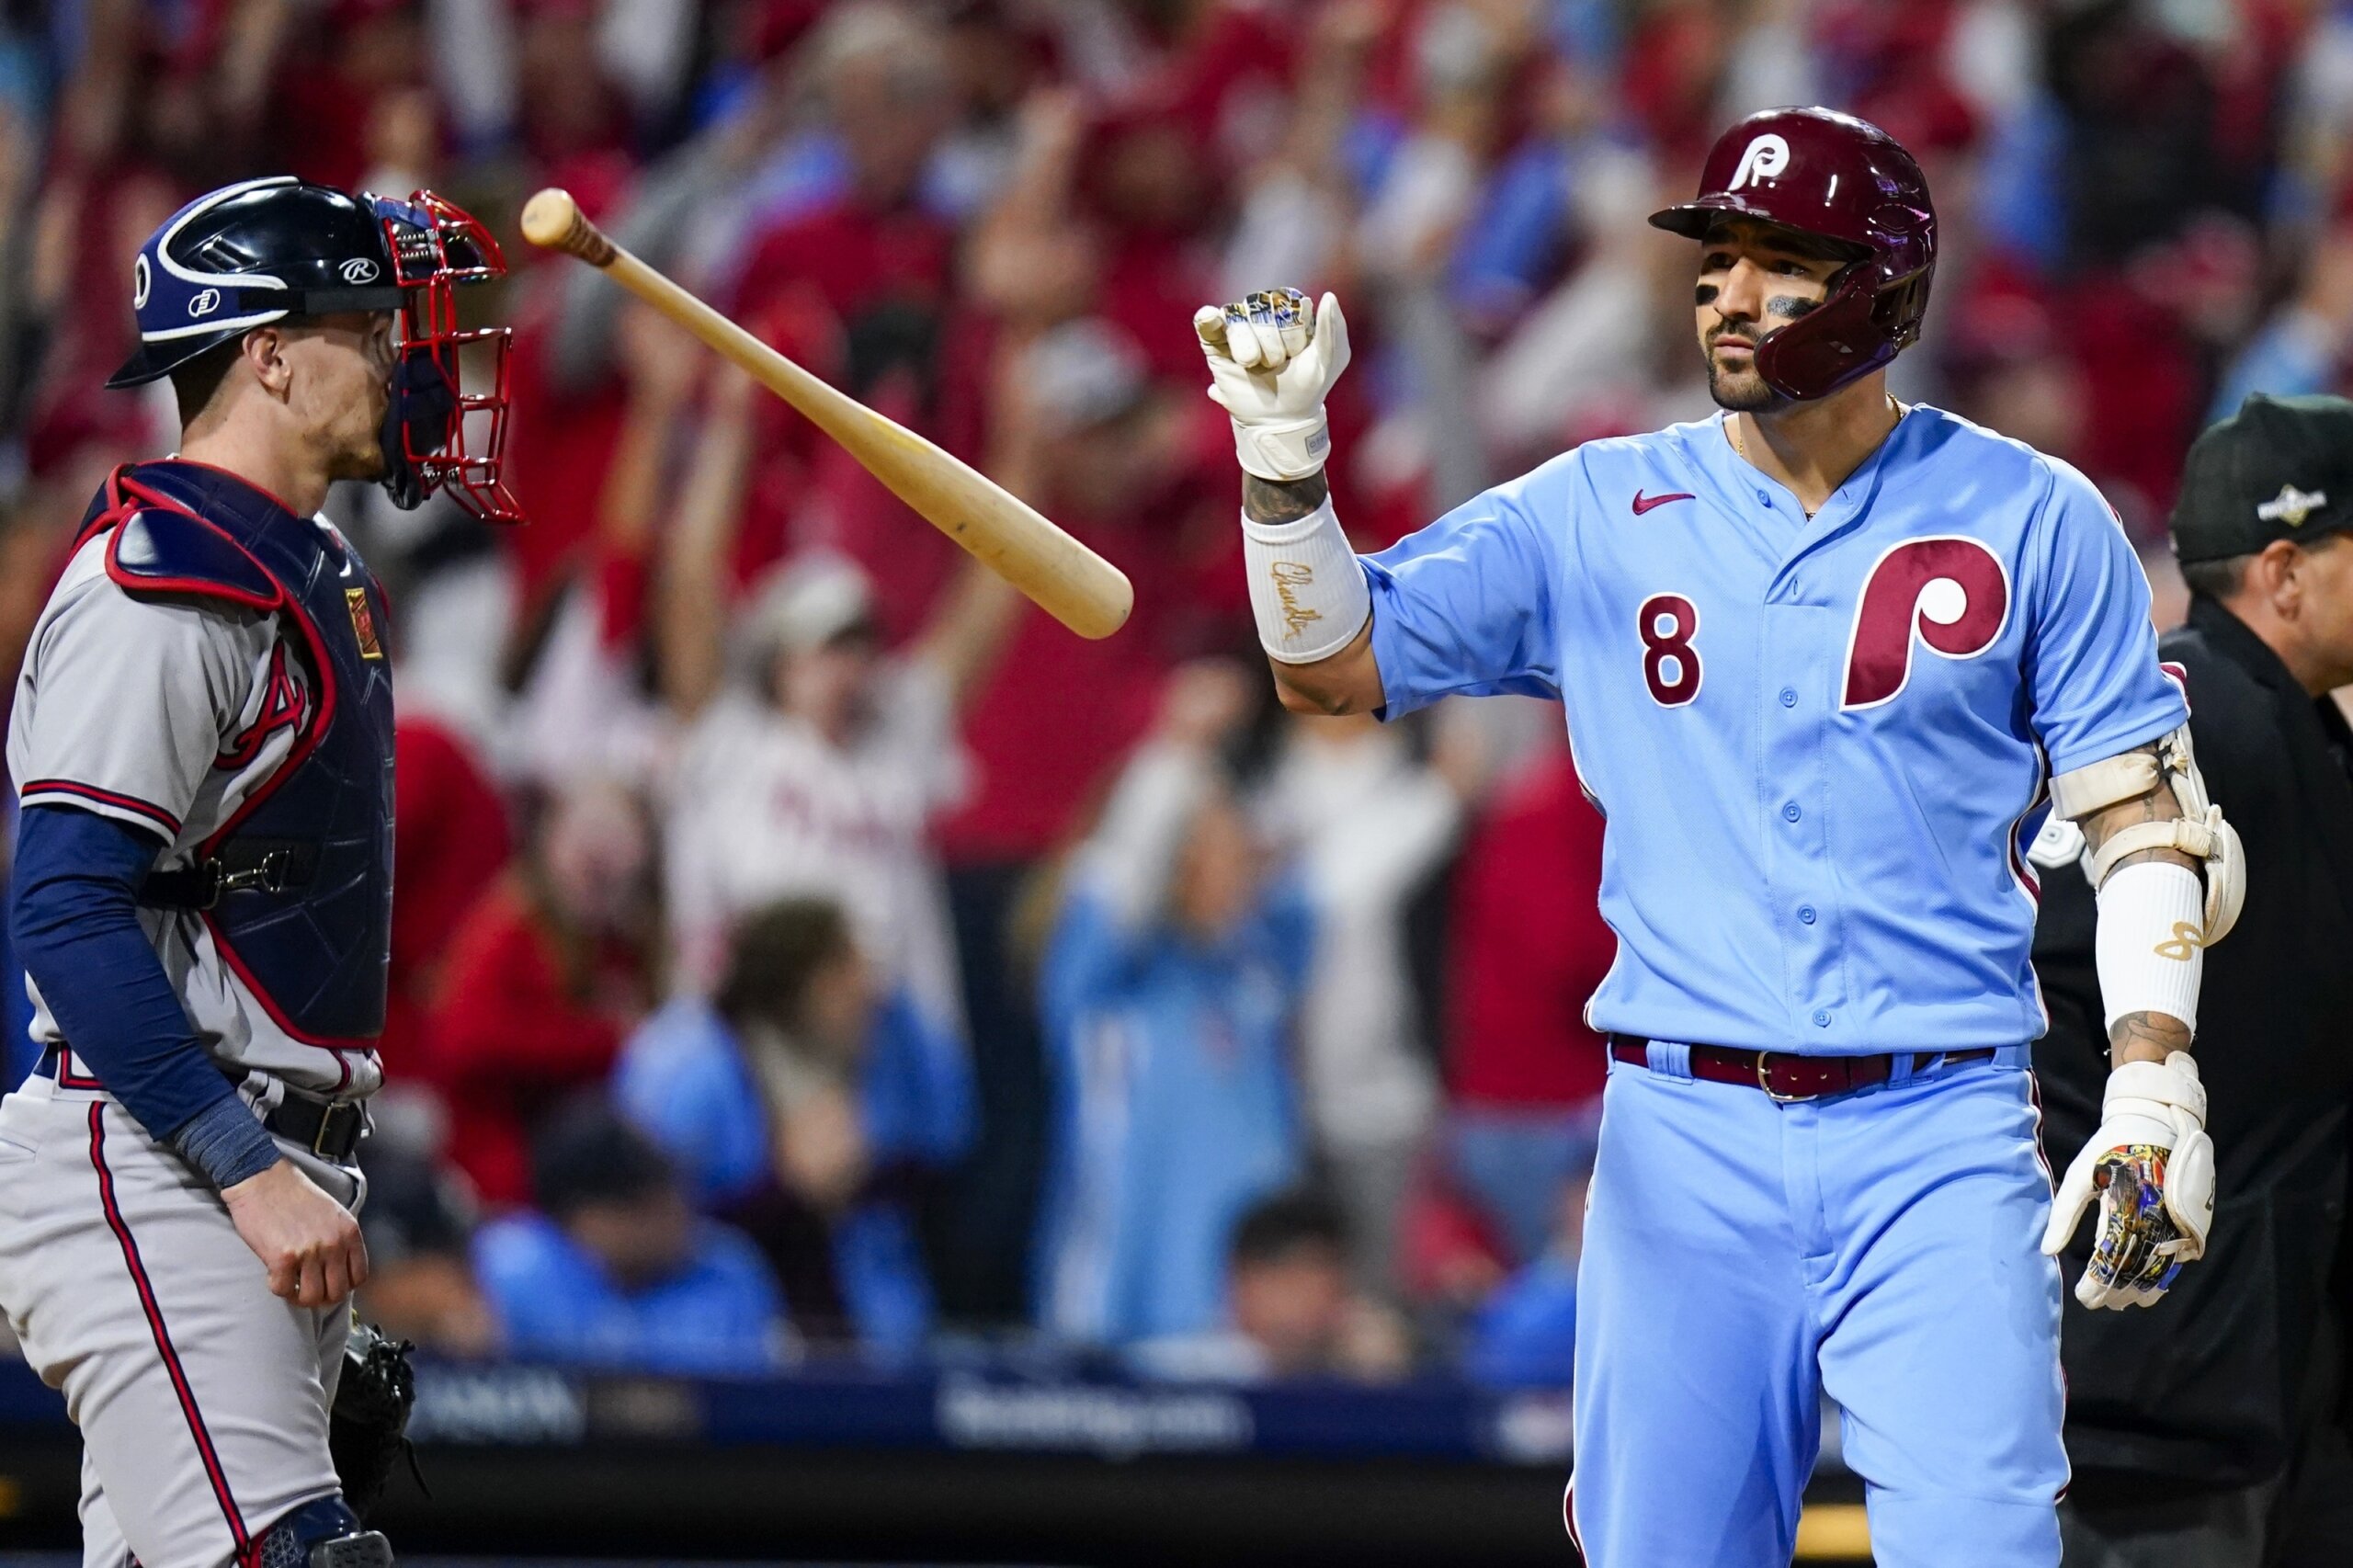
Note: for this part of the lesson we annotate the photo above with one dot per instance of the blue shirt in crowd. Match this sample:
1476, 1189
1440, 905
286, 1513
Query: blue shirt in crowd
683, 1077
1525, 1337
719, 1313
1173, 1110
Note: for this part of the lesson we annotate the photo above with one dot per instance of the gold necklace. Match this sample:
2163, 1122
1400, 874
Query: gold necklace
1740, 445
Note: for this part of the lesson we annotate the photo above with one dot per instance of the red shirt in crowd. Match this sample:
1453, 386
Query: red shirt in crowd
863, 298
1058, 712
450, 840
512, 1038
1530, 945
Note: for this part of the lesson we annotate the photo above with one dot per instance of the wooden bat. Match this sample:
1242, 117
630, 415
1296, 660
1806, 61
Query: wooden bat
1065, 579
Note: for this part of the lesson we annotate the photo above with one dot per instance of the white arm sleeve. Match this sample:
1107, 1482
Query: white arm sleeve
2150, 951
1307, 588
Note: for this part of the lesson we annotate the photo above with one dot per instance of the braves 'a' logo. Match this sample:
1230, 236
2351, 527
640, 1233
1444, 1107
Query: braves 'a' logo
1764, 158
1949, 592
283, 707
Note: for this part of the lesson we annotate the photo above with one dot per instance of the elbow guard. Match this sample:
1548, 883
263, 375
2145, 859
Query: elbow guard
2200, 832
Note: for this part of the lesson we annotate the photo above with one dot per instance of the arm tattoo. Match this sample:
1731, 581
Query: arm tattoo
2157, 805
2146, 1037
1282, 500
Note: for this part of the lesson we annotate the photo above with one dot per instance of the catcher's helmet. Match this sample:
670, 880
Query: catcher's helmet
1839, 178
266, 250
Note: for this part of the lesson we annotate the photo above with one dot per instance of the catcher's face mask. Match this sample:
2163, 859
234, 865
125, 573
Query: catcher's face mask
437, 434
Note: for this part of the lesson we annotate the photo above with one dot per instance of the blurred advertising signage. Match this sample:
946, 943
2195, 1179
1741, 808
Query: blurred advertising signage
1106, 1419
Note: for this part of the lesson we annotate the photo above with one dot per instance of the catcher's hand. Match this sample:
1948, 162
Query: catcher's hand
1271, 362
2152, 1168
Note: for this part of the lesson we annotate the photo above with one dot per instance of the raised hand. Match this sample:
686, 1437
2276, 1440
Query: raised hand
1271, 362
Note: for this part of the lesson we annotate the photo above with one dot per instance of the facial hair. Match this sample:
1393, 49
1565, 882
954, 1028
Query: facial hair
1747, 391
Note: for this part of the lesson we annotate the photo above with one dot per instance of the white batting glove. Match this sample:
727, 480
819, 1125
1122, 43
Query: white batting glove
1270, 366
2151, 1166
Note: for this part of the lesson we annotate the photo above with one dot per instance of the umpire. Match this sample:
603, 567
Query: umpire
2205, 1432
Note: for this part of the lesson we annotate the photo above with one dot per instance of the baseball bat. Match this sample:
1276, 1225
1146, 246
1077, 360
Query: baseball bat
1063, 577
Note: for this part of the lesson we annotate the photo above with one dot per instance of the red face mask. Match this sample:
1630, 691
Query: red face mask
447, 427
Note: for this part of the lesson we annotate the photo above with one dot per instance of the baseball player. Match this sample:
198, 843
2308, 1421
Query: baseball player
202, 745
1824, 657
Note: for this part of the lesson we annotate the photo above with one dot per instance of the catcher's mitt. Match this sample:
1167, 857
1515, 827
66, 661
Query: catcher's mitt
368, 1428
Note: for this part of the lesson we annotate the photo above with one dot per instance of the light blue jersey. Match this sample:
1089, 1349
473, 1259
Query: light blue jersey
1821, 744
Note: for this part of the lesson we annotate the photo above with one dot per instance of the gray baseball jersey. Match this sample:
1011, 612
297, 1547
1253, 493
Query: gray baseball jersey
168, 715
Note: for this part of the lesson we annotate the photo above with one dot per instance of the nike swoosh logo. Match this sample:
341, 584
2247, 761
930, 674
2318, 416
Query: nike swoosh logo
1645, 503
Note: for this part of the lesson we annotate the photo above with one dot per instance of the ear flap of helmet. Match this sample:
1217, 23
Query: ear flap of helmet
1837, 342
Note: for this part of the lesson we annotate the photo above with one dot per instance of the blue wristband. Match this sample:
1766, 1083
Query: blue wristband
227, 1143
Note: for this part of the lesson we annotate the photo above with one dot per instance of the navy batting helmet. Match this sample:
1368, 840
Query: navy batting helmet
275, 249
1839, 178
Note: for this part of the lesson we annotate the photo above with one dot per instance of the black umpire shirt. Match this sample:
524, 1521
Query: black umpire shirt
2211, 1386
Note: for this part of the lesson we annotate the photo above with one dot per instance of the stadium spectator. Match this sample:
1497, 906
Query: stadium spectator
1529, 948
418, 1224
584, 703
1291, 1311
542, 979
615, 1270
818, 767
1525, 1335
1084, 434
1372, 827
449, 842
853, 269
1170, 988
816, 1110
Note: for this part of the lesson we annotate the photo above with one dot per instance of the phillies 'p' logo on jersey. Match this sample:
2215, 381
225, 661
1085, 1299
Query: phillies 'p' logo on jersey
1765, 157
1948, 591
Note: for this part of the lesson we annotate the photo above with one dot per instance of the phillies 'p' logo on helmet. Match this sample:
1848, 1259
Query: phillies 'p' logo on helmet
1766, 156
1841, 180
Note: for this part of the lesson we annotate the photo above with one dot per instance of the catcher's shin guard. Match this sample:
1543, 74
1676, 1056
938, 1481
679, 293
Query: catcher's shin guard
323, 1533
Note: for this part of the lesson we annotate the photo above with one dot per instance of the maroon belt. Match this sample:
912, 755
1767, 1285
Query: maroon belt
1786, 1077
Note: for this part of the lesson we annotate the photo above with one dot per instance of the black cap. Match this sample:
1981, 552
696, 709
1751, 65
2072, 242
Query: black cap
2280, 468
586, 1153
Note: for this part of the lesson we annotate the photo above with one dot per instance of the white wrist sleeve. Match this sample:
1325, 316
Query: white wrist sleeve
1307, 588
2151, 948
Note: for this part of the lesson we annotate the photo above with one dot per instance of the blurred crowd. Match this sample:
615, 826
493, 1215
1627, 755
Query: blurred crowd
802, 945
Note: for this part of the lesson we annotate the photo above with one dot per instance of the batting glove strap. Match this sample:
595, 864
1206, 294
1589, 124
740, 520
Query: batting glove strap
1293, 448
2162, 1087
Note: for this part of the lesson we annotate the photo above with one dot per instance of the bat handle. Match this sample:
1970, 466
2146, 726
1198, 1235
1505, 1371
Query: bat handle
553, 221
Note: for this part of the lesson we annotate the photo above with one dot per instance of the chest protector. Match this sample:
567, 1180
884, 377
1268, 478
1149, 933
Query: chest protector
296, 887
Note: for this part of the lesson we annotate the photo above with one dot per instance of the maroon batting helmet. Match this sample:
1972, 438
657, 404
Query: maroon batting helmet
1839, 178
